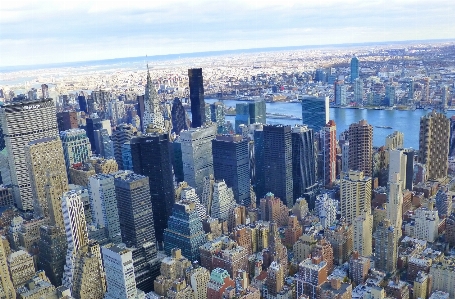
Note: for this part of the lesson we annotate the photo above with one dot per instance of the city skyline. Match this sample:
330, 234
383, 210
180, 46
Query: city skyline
83, 30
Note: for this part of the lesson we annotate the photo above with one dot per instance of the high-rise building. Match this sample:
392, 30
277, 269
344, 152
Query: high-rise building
326, 209
340, 93
312, 274
362, 233
196, 83
358, 91
116, 111
152, 110
198, 277
23, 122
329, 153
196, 144
444, 202
74, 220
315, 112
151, 157
217, 115
44, 158
172, 268
242, 115
278, 162
122, 134
397, 165
452, 136
82, 103
21, 267
118, 264
273, 209
358, 268
257, 112
443, 274
136, 225
341, 238
434, 144
6, 285
395, 201
258, 180
303, 160
178, 115
92, 124
361, 147
103, 203
76, 146
386, 246
67, 120
426, 224
354, 69
184, 230
222, 202
231, 164
355, 195
390, 94
52, 252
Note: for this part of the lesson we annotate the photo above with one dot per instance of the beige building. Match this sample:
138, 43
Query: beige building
44, 158
395, 201
386, 247
273, 209
421, 285
361, 147
102, 165
6, 285
434, 144
304, 246
21, 267
341, 238
198, 277
443, 274
172, 268
355, 195
363, 234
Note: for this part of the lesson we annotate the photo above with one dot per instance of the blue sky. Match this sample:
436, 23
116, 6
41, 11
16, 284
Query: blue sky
46, 31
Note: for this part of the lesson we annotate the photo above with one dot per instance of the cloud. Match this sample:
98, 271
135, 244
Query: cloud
45, 31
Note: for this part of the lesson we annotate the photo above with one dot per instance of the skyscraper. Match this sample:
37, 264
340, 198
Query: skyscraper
278, 162
196, 83
67, 120
217, 115
355, 195
257, 112
303, 160
93, 123
386, 246
76, 146
196, 144
231, 164
151, 157
315, 112
184, 230
123, 133
390, 94
152, 111
6, 285
363, 231
136, 225
358, 91
340, 93
434, 144
44, 158
103, 203
242, 115
354, 69
329, 153
360, 136
178, 115
258, 180
22, 122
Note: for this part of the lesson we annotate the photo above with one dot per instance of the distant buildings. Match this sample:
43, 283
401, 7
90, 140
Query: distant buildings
354, 69
340, 93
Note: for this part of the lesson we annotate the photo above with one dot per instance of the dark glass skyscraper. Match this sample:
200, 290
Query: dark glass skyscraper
231, 164
354, 69
259, 172
151, 157
138, 233
92, 124
242, 115
303, 161
278, 162
257, 112
315, 112
82, 103
178, 117
217, 115
196, 82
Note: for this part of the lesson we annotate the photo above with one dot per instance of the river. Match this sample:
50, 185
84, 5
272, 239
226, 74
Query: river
407, 122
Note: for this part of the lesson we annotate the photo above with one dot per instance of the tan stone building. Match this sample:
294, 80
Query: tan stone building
21, 267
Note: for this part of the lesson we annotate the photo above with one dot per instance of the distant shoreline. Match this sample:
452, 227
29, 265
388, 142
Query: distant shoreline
166, 57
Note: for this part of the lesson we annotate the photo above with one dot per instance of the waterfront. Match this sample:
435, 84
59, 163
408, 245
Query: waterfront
406, 121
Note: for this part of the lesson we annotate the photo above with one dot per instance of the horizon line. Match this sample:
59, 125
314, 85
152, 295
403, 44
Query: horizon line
18, 67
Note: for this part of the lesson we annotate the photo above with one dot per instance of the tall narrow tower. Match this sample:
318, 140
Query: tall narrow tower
360, 136
152, 111
329, 153
196, 82
354, 69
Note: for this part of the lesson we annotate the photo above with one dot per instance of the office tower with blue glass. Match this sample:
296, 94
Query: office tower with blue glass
257, 112
151, 157
218, 115
303, 161
278, 162
184, 230
231, 164
123, 133
354, 69
315, 112
196, 83
136, 225
242, 115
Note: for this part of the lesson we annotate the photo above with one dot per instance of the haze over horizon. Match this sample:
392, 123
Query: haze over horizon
54, 32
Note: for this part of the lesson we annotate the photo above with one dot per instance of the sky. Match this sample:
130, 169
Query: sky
53, 31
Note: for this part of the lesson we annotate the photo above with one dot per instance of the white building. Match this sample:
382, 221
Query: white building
355, 194
395, 200
326, 209
426, 224
223, 200
103, 203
